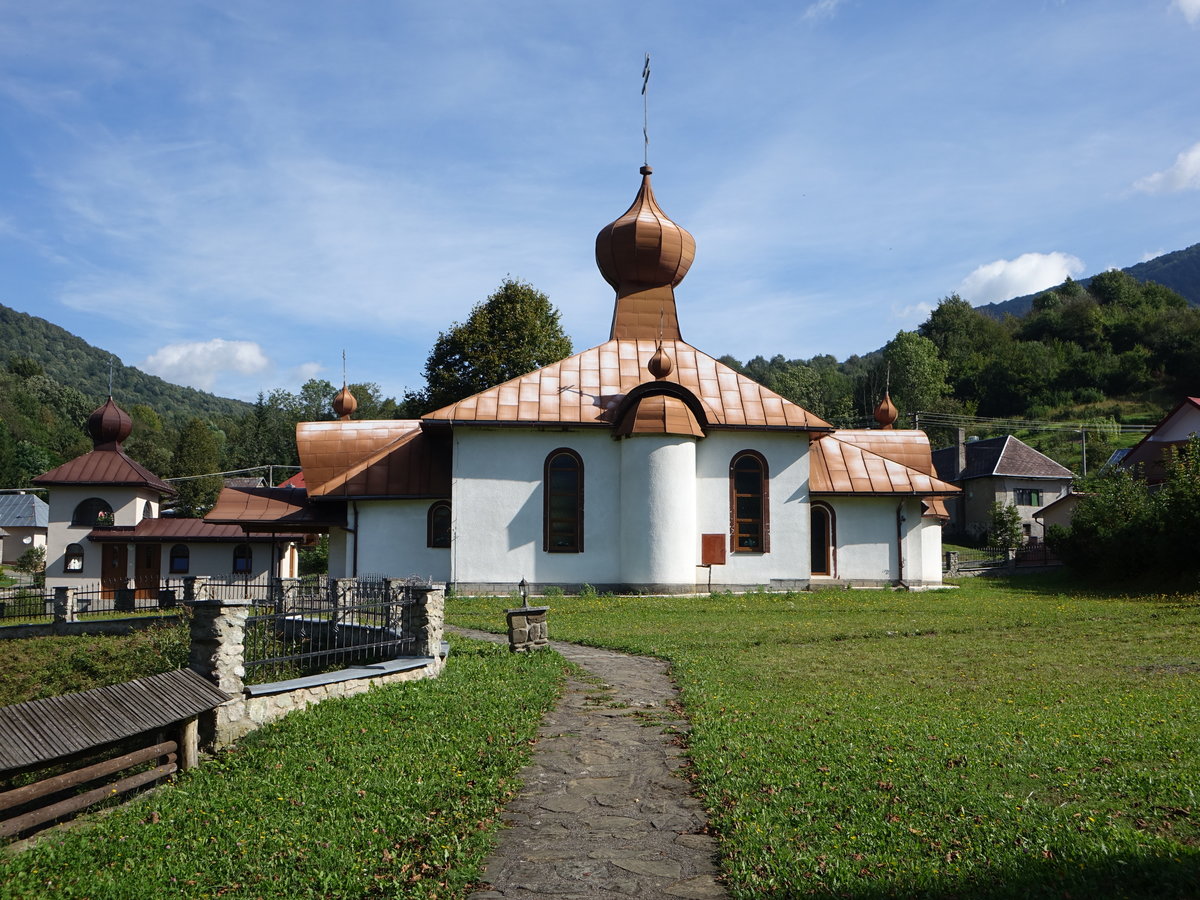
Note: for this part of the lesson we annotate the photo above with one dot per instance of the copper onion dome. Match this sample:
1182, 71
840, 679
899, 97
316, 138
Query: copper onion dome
108, 426
660, 364
344, 404
886, 412
644, 255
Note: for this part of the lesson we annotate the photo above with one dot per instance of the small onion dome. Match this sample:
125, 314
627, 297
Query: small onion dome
108, 426
344, 403
643, 246
659, 414
886, 412
660, 364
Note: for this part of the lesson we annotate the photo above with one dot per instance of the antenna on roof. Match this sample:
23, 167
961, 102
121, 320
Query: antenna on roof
646, 112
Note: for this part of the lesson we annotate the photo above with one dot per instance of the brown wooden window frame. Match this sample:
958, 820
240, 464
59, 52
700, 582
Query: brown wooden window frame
433, 534
180, 553
246, 552
738, 533
574, 521
831, 533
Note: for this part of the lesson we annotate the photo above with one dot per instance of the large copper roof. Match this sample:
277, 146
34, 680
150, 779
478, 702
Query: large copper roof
587, 388
842, 464
359, 458
105, 467
274, 509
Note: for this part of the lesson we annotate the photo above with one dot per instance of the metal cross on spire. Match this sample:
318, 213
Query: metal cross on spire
343, 368
646, 112
110, 374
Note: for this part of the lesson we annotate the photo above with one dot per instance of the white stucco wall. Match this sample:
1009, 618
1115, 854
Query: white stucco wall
127, 506
787, 467
866, 541
659, 543
498, 507
392, 541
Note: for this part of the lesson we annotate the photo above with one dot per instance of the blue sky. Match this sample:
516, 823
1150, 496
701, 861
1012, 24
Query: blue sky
228, 194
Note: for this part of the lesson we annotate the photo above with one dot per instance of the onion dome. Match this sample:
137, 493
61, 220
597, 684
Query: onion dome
886, 412
109, 426
344, 403
644, 255
659, 414
660, 364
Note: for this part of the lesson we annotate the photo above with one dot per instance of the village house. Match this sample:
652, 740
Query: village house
1146, 458
105, 525
639, 464
1002, 470
24, 519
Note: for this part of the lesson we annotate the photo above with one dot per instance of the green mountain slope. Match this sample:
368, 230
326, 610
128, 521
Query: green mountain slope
1179, 271
74, 362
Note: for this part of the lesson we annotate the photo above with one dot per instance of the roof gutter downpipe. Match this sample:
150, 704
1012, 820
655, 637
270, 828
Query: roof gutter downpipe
354, 553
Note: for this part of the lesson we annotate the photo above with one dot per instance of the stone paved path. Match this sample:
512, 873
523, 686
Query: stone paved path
603, 810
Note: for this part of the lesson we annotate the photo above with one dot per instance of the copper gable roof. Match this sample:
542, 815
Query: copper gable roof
999, 456
587, 388
105, 467
841, 464
378, 459
275, 510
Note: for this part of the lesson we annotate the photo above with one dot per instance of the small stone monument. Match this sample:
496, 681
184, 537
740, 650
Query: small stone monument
527, 628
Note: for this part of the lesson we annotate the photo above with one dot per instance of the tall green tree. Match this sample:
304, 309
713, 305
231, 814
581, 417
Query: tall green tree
512, 332
196, 453
918, 373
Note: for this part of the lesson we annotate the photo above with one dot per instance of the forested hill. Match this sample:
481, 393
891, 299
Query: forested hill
74, 362
1179, 271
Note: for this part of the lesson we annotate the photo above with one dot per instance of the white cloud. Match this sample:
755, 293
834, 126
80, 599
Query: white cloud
199, 363
1184, 175
1008, 278
1189, 8
1152, 254
306, 372
824, 9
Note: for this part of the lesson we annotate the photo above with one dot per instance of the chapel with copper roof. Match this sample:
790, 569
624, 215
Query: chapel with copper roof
641, 463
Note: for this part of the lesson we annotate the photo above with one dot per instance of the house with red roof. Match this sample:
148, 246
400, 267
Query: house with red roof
1146, 458
105, 524
641, 464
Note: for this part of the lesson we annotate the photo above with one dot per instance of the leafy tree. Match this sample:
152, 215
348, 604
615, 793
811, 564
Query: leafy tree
1004, 527
196, 454
24, 367
918, 374
514, 331
33, 563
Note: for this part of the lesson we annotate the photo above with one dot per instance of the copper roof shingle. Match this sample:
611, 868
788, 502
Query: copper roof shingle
273, 509
841, 464
186, 530
586, 388
373, 459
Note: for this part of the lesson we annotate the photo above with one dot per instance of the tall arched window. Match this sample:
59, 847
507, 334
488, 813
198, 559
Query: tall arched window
92, 512
563, 492
824, 544
437, 525
243, 559
181, 559
73, 559
147, 510
749, 527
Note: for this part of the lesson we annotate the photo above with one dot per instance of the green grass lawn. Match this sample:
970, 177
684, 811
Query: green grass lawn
393, 793
1011, 738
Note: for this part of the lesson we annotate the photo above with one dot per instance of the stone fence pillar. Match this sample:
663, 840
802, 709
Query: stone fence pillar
64, 605
951, 563
218, 632
429, 622
528, 628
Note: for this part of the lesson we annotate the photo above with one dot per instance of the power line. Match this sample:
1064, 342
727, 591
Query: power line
954, 420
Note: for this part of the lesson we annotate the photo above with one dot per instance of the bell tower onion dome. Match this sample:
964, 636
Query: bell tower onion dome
644, 255
109, 426
886, 413
344, 404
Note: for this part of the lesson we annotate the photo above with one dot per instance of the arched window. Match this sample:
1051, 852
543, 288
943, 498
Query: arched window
437, 525
824, 544
243, 559
181, 559
148, 510
73, 560
748, 524
92, 512
563, 515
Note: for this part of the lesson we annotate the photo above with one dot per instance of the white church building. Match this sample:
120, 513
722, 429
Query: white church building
641, 464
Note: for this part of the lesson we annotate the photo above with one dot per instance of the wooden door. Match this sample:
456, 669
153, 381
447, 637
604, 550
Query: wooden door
147, 571
114, 572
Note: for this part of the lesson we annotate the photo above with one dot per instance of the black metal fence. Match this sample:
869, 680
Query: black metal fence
26, 603
101, 601
305, 626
